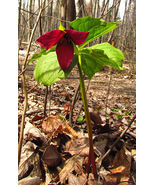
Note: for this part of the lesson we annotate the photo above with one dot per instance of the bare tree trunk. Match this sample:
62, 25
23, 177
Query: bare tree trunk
19, 16
29, 20
40, 26
98, 8
50, 13
80, 5
91, 8
104, 8
71, 11
63, 11
116, 5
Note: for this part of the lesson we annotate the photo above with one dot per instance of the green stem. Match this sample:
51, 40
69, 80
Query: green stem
91, 159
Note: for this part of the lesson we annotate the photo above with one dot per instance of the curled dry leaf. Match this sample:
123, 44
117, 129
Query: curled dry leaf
54, 125
93, 181
37, 118
34, 134
133, 153
51, 156
81, 146
73, 164
30, 181
100, 144
95, 117
120, 170
30, 161
75, 180
78, 147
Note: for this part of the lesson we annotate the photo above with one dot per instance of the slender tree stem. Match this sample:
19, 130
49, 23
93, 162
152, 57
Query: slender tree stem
91, 159
23, 119
24, 87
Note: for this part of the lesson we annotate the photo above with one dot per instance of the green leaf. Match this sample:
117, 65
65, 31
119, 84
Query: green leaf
43, 51
95, 26
115, 55
93, 60
62, 116
96, 57
80, 119
48, 70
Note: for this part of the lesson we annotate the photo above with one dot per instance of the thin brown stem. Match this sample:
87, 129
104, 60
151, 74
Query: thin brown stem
24, 88
23, 118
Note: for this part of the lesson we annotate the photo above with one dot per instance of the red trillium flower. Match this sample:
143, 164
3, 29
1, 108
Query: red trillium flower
64, 40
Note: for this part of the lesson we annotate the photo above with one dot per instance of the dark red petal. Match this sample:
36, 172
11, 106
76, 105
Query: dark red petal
50, 38
65, 53
78, 37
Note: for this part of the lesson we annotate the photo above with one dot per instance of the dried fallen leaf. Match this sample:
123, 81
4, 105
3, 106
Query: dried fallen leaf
120, 170
93, 181
95, 117
30, 181
55, 125
100, 143
51, 156
33, 134
133, 153
37, 117
72, 164
30, 161
76, 180
78, 146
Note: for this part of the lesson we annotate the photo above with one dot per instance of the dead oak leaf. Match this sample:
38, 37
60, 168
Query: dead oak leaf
54, 125
78, 147
30, 161
76, 180
120, 170
31, 133
72, 164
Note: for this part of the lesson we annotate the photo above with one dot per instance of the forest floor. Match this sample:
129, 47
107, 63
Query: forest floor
55, 150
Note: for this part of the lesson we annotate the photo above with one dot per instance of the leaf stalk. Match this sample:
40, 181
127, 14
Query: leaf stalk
91, 159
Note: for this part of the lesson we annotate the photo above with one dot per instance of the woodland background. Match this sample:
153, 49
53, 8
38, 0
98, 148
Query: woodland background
124, 37
111, 93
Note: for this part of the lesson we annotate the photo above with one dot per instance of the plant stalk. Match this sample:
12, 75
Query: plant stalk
91, 159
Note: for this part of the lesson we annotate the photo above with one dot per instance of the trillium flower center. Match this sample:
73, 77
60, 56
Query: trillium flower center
65, 40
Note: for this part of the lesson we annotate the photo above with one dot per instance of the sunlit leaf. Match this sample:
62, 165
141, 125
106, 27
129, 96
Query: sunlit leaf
48, 70
96, 57
95, 26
